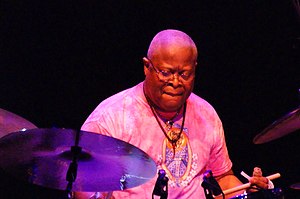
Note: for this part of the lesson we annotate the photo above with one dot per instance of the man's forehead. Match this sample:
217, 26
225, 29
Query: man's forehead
170, 40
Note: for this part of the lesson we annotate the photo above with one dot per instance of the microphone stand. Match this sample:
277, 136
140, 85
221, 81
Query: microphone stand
211, 186
207, 190
161, 185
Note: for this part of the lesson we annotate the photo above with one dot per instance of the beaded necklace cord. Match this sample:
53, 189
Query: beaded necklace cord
169, 122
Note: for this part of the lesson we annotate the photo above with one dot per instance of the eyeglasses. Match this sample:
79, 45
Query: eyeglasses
167, 76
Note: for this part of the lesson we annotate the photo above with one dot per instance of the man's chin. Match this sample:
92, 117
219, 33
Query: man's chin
171, 103
172, 107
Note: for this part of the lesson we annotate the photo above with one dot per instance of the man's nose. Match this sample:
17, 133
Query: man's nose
175, 80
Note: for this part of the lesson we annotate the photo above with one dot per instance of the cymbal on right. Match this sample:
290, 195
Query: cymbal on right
295, 186
284, 126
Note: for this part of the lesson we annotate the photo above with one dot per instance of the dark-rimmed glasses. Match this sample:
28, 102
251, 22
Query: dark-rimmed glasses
167, 76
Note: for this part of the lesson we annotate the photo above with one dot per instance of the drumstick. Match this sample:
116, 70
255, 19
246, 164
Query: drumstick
247, 185
245, 175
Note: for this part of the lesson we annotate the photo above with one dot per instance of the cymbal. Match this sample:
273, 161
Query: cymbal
43, 157
295, 186
10, 122
284, 126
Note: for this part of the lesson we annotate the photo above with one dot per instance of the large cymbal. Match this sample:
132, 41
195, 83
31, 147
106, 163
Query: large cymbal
284, 126
43, 156
295, 186
10, 122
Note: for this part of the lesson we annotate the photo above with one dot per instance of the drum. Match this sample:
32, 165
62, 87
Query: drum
276, 193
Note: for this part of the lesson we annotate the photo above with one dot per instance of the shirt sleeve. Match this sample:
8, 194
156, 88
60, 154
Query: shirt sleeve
219, 158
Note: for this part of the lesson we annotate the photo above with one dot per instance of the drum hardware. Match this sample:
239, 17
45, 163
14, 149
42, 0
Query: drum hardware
275, 193
10, 122
73, 167
284, 126
70, 160
161, 185
211, 186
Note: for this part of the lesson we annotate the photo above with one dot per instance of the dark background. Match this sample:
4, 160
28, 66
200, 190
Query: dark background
59, 59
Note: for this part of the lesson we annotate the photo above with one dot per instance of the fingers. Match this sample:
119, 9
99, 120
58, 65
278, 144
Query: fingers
257, 172
258, 180
261, 182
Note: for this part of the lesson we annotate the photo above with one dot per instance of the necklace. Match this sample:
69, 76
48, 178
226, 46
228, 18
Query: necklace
169, 123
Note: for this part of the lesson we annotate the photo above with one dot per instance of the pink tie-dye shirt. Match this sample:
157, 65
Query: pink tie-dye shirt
127, 116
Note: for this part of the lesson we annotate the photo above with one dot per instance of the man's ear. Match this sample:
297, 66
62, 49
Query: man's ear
146, 65
146, 62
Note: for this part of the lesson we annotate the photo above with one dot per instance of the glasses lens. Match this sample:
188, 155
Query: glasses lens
168, 75
165, 75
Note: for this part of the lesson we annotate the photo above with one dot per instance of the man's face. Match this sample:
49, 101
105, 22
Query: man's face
177, 64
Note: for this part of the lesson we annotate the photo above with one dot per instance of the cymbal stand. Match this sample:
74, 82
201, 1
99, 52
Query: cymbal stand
72, 170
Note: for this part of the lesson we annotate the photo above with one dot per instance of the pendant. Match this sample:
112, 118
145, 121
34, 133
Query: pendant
177, 139
169, 124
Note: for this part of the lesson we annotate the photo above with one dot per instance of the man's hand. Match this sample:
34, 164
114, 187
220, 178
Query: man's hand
261, 182
258, 180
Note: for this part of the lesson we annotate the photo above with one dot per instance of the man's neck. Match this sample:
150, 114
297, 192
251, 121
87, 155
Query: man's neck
168, 115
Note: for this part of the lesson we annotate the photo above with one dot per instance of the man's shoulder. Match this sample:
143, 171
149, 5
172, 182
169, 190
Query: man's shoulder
126, 94
201, 107
117, 101
116, 105
197, 101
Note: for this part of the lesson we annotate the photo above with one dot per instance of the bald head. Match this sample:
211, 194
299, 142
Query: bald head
170, 52
171, 39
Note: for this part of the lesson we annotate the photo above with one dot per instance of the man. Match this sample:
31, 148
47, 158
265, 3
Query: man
179, 130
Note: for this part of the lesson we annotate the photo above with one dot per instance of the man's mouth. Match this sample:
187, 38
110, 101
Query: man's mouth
173, 94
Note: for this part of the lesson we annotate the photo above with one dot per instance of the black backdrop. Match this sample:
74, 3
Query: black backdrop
59, 59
